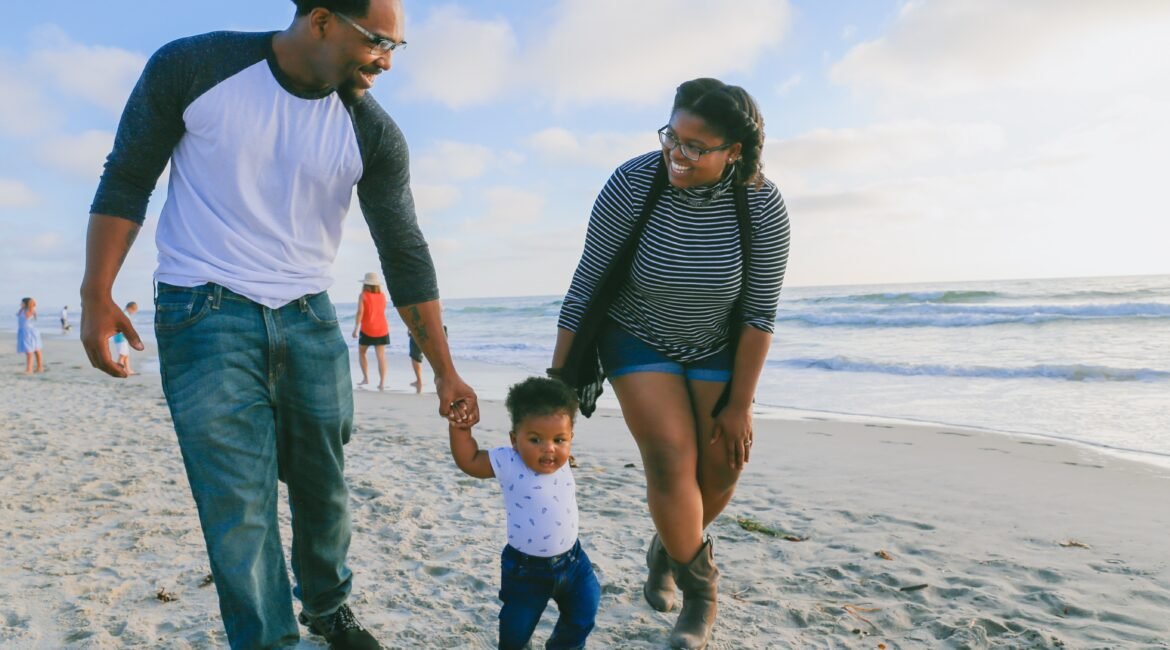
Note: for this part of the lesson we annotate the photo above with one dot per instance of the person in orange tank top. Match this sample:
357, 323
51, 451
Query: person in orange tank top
371, 329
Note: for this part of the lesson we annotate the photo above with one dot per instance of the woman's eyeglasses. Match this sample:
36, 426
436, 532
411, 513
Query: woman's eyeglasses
670, 141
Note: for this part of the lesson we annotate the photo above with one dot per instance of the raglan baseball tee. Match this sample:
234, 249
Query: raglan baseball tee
262, 175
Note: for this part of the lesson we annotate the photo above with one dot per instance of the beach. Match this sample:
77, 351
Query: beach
845, 532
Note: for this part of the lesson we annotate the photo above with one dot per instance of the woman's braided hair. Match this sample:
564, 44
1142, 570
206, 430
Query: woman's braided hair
732, 111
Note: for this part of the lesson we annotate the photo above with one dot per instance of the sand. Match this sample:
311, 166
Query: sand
888, 535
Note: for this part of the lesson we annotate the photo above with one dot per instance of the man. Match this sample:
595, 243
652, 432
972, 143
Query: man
65, 319
267, 134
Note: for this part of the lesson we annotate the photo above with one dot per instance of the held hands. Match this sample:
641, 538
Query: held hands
101, 319
457, 401
733, 428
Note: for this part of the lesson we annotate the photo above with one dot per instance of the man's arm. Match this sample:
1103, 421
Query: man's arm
457, 400
467, 454
107, 243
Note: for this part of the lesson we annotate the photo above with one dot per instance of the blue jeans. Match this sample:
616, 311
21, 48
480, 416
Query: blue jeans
257, 395
526, 584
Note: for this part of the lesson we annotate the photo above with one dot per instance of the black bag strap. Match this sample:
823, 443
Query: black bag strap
735, 323
580, 363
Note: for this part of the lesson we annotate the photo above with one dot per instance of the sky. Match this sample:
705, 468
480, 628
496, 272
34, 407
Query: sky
924, 141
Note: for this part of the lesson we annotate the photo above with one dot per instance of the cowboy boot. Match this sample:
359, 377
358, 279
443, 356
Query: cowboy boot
698, 579
659, 587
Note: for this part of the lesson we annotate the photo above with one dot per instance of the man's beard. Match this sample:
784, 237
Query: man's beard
349, 92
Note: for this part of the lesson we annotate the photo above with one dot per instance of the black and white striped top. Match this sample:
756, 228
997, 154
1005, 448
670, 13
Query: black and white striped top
687, 272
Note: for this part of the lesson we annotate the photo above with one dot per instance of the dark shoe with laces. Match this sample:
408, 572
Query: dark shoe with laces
341, 629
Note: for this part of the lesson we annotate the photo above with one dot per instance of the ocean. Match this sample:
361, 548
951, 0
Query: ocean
1080, 359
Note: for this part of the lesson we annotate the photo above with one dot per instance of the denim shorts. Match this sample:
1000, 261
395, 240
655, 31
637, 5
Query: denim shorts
623, 353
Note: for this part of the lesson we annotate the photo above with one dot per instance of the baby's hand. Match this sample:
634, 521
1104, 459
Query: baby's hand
458, 427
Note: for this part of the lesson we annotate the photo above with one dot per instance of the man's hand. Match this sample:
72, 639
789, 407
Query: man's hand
101, 319
457, 401
107, 242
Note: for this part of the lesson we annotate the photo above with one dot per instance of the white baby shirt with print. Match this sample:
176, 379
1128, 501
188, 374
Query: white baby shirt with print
542, 508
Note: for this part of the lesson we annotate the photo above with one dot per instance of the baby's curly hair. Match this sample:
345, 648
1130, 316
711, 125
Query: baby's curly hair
540, 396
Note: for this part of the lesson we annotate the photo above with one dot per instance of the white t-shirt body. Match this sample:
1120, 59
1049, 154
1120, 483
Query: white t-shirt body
541, 508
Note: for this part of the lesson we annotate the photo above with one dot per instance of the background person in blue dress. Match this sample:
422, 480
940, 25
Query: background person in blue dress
28, 338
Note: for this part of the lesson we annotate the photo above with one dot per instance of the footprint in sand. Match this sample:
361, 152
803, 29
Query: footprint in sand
953, 433
1069, 462
1036, 444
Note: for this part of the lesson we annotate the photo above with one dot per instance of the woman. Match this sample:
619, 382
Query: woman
28, 339
684, 329
370, 321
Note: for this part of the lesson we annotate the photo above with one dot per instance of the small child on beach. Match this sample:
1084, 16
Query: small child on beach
543, 558
122, 345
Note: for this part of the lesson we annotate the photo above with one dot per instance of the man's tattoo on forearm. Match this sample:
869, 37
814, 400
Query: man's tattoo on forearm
131, 235
416, 324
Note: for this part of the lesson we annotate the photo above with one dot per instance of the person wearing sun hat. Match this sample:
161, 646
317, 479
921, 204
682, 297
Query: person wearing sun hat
371, 329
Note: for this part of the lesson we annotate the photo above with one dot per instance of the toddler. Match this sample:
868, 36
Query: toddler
543, 558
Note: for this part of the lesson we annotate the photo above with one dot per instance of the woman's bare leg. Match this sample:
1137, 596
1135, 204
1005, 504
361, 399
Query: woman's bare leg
364, 364
380, 352
657, 409
717, 478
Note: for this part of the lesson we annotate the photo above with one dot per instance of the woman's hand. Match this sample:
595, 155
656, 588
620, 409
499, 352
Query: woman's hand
733, 428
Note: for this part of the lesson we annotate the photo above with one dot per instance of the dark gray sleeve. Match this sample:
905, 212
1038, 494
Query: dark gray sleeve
151, 126
388, 206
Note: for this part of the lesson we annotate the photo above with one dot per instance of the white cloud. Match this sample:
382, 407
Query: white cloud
450, 160
16, 194
605, 150
510, 206
46, 241
1009, 140
1061, 212
882, 149
954, 47
99, 74
434, 197
788, 84
533, 261
458, 60
594, 51
83, 154
638, 52
24, 110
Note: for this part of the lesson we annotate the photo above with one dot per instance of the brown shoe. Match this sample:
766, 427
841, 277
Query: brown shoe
698, 580
659, 588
